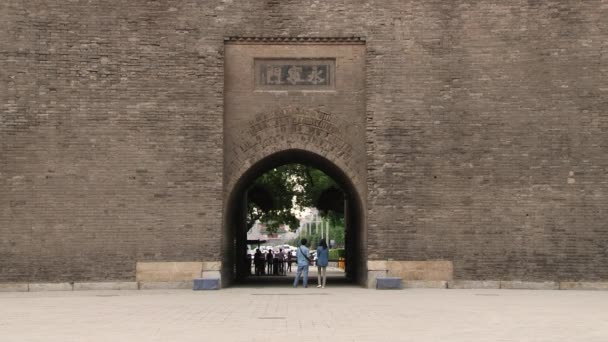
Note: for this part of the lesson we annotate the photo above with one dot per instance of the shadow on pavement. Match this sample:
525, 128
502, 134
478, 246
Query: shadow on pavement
335, 277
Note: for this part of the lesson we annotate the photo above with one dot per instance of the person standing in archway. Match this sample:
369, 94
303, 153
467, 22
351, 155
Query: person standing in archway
258, 261
303, 260
281, 259
269, 260
289, 260
322, 261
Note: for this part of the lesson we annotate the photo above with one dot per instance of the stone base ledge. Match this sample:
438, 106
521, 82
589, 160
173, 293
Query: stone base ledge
132, 285
212, 266
473, 284
167, 271
529, 285
95, 286
377, 265
451, 284
166, 285
581, 285
37, 287
211, 275
422, 273
429, 270
425, 284
507, 284
16, 287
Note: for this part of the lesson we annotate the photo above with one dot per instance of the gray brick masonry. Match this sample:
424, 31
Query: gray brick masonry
479, 136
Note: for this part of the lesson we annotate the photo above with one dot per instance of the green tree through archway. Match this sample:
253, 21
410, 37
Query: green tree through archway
275, 197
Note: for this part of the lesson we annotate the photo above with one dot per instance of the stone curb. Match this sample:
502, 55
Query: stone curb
577, 285
106, 286
451, 284
37, 287
17, 287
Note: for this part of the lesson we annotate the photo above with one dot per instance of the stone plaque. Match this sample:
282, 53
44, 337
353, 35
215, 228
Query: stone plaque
294, 74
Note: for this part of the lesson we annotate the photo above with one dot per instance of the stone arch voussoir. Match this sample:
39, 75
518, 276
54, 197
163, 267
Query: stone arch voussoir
289, 129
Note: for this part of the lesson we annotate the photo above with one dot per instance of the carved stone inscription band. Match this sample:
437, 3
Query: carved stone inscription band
294, 74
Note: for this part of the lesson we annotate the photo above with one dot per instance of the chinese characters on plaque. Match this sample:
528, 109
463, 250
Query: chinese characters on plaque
294, 74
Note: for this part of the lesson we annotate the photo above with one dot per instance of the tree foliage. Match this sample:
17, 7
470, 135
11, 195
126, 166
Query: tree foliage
278, 194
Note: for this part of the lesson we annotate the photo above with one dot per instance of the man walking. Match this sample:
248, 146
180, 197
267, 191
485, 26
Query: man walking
303, 260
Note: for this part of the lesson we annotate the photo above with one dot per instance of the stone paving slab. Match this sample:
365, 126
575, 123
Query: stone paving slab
281, 313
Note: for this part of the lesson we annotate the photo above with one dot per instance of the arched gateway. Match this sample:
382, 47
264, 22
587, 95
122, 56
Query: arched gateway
235, 229
294, 101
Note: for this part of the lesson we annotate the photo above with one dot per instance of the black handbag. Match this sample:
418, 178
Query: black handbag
307, 258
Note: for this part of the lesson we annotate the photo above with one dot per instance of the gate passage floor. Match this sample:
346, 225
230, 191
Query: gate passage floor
282, 313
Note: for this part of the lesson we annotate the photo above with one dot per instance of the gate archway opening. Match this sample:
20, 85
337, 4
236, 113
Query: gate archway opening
237, 267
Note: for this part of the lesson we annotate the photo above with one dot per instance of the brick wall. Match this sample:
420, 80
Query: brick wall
111, 139
486, 132
488, 136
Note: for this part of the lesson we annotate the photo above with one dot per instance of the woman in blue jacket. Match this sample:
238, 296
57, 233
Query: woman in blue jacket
322, 261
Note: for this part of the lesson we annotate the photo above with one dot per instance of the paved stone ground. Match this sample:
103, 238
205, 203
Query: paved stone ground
282, 313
